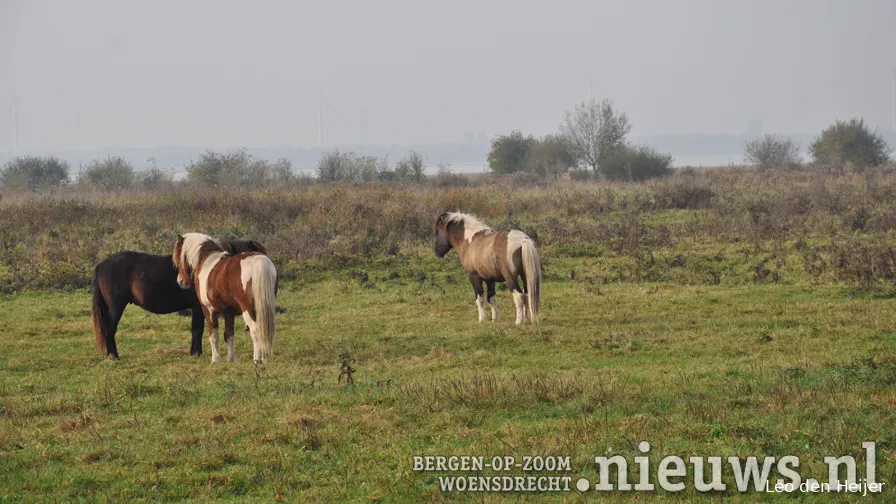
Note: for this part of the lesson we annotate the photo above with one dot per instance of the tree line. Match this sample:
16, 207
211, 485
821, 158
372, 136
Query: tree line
845, 146
212, 169
592, 141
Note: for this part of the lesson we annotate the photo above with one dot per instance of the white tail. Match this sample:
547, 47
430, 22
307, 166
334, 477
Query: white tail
532, 270
264, 286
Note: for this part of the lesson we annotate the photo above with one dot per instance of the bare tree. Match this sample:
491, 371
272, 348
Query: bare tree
594, 131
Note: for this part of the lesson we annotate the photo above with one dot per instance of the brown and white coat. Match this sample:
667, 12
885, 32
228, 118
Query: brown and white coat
229, 285
489, 256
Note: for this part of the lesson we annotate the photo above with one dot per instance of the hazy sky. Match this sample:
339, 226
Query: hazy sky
219, 73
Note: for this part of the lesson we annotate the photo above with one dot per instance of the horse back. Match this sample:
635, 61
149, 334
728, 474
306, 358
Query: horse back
228, 286
146, 280
487, 256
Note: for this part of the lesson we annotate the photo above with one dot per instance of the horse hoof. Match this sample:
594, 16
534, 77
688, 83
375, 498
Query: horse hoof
113, 357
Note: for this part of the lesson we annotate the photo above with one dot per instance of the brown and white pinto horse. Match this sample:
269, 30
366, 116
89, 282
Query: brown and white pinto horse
229, 285
150, 282
491, 257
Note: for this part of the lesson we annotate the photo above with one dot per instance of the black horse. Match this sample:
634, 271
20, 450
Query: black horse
150, 282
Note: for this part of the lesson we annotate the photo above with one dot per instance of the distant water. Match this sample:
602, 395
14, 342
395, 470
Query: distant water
708, 160
678, 162
467, 168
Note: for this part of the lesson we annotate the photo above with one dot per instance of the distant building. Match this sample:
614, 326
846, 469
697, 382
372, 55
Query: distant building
754, 127
482, 137
469, 138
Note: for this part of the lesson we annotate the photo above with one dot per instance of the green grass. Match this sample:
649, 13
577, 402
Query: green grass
715, 370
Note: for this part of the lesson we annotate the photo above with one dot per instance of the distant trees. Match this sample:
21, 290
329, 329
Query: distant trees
237, 169
594, 132
509, 151
154, 178
411, 168
636, 163
550, 155
592, 135
32, 173
517, 153
850, 144
773, 152
336, 166
112, 173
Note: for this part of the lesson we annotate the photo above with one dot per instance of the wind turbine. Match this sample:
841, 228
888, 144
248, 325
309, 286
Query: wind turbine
324, 105
320, 118
15, 112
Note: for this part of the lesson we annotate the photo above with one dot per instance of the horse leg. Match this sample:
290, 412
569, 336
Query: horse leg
476, 280
525, 291
197, 327
115, 313
256, 353
519, 299
228, 337
212, 319
492, 299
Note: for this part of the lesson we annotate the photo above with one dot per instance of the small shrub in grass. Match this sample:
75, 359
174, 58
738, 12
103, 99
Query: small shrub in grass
773, 152
154, 179
112, 173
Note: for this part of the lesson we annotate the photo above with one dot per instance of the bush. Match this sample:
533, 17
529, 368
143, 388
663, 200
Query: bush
368, 168
234, 169
411, 168
111, 174
636, 163
509, 151
850, 144
417, 165
445, 178
337, 166
595, 131
773, 152
550, 155
34, 173
153, 178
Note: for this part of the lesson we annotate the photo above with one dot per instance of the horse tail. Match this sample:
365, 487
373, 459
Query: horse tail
100, 314
532, 270
264, 292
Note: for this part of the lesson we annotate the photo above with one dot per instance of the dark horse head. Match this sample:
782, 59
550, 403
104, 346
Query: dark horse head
443, 240
236, 247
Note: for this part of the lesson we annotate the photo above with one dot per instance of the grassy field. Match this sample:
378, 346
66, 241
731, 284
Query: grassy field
684, 327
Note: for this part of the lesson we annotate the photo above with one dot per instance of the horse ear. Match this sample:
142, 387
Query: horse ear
180, 237
440, 220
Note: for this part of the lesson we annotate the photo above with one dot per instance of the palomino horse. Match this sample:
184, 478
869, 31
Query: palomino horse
492, 257
229, 285
150, 282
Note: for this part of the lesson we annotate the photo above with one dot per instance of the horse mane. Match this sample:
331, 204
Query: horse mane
193, 245
472, 224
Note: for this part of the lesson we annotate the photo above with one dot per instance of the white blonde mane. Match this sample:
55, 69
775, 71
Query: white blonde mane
193, 242
472, 224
